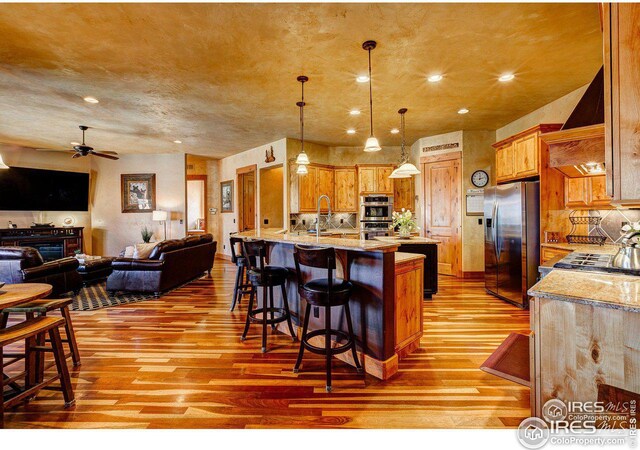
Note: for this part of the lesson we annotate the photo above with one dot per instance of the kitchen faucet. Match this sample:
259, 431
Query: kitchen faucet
318, 217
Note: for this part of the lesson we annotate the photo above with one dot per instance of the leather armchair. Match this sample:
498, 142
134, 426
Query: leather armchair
171, 263
25, 265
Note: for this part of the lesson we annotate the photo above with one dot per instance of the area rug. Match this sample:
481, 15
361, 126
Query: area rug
95, 296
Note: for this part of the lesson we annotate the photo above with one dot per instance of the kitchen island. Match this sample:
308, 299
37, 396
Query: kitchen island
386, 303
584, 343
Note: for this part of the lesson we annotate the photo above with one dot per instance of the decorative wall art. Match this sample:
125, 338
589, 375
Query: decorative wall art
138, 192
226, 196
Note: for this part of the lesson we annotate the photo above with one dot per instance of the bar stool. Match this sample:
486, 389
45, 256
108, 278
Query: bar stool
324, 293
265, 277
41, 308
242, 285
31, 332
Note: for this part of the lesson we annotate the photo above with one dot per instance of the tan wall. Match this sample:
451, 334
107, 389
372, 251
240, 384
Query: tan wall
478, 154
26, 157
271, 193
112, 229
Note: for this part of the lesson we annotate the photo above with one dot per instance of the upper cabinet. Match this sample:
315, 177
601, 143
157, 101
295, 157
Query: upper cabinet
520, 156
375, 179
403, 194
346, 195
622, 101
308, 189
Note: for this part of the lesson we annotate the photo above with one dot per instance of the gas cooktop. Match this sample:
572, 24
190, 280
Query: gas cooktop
593, 262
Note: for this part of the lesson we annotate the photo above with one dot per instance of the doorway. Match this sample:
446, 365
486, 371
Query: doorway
443, 208
197, 206
246, 198
271, 197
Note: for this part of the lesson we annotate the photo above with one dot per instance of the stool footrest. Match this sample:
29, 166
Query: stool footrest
282, 315
322, 350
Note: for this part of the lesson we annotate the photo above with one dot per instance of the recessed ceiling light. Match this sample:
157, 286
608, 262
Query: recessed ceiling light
506, 77
463, 111
362, 78
177, 141
74, 143
434, 78
351, 131
91, 100
354, 112
395, 131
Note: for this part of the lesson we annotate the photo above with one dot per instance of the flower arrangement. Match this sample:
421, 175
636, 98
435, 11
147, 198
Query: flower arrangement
632, 227
404, 222
146, 234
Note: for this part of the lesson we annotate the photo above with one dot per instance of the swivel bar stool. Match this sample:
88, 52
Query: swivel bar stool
242, 285
324, 293
265, 277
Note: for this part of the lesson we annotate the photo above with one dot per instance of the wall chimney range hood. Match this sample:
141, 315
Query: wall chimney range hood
577, 149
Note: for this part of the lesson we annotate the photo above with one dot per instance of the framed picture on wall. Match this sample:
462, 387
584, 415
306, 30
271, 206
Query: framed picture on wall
226, 196
138, 192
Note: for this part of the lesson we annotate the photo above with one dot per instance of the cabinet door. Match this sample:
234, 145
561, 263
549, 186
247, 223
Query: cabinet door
345, 190
526, 156
325, 186
307, 189
403, 194
576, 193
504, 163
598, 188
367, 179
622, 95
384, 184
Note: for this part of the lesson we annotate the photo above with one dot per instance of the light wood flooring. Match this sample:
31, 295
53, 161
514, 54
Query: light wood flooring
177, 362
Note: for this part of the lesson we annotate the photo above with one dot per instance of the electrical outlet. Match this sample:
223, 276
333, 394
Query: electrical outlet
234, 220
304, 222
224, 246
341, 220
266, 221
293, 222
479, 221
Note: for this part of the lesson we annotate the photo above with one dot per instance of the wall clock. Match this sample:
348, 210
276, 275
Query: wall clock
480, 178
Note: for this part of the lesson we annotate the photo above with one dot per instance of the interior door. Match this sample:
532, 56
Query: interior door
442, 212
509, 233
247, 199
490, 247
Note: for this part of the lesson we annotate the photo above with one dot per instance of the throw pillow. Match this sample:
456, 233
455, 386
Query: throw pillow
143, 251
129, 251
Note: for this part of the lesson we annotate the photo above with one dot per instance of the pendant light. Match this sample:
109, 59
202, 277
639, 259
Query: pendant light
372, 144
302, 158
2, 164
406, 168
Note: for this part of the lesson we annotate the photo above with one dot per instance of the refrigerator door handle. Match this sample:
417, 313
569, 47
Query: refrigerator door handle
494, 226
495, 233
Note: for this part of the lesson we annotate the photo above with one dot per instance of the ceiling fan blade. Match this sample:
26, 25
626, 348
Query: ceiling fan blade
109, 153
77, 155
104, 155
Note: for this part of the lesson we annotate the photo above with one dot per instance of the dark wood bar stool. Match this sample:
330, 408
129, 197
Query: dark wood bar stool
242, 285
31, 331
42, 308
265, 277
324, 293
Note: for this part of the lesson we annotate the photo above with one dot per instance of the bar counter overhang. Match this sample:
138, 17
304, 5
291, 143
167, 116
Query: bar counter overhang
386, 303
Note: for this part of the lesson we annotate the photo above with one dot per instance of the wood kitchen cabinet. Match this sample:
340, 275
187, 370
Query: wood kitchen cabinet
319, 181
504, 163
586, 193
346, 195
526, 156
325, 185
622, 101
375, 179
403, 194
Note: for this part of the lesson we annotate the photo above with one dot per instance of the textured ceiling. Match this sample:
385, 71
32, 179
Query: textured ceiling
222, 77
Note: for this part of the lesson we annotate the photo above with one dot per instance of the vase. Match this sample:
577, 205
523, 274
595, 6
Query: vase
404, 232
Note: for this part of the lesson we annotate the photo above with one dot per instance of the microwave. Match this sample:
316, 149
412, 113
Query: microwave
374, 208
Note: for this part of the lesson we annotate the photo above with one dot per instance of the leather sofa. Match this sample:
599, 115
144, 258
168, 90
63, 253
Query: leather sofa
25, 265
170, 264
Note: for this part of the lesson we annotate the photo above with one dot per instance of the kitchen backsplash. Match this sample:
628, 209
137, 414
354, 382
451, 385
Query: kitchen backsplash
300, 222
612, 221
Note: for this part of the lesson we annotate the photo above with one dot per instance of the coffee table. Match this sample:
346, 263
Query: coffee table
92, 270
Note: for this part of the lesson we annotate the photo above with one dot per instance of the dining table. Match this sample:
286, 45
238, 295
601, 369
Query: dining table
15, 295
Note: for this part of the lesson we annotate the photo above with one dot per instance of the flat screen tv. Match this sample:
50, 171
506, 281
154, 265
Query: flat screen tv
23, 189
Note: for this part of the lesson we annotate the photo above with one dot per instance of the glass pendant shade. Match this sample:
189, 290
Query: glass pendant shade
372, 145
302, 158
397, 174
408, 168
2, 164
302, 170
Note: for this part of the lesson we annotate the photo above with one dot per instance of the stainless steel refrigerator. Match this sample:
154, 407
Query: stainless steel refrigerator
512, 240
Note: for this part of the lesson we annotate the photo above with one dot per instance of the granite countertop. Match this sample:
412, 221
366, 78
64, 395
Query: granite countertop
609, 249
412, 240
591, 288
402, 257
271, 235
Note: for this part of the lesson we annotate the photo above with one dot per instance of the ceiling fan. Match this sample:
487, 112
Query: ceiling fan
83, 149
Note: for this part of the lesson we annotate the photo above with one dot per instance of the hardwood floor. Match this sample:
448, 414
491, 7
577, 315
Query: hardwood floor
177, 362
